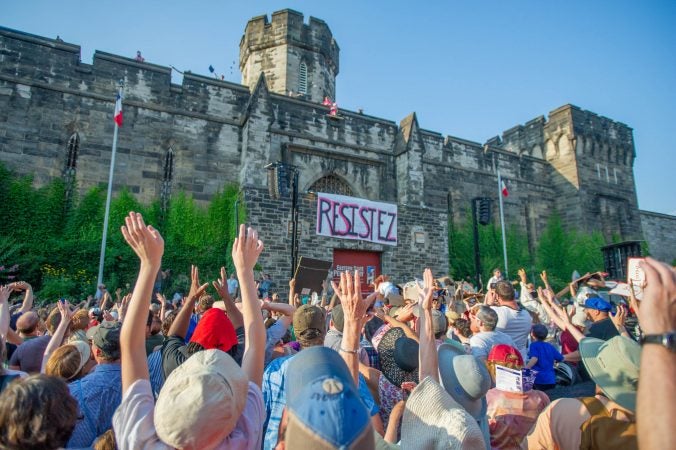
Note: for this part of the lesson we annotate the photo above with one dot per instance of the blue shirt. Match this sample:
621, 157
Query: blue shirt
98, 395
274, 397
156, 371
546, 355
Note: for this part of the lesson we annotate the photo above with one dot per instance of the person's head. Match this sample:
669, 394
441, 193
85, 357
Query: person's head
201, 401
337, 318
205, 303
155, 326
105, 342
168, 320
439, 324
233, 276
539, 332
398, 357
53, 321
504, 291
68, 361
213, 331
80, 320
596, 308
309, 324
155, 308
27, 324
275, 297
497, 273
323, 408
505, 356
37, 412
483, 318
614, 366
461, 327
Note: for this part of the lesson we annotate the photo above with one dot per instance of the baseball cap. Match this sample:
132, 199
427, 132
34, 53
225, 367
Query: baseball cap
309, 317
214, 330
323, 405
201, 401
106, 337
338, 317
597, 303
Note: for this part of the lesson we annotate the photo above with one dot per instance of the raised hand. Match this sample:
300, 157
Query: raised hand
349, 292
145, 240
658, 307
160, 298
4, 293
196, 290
221, 285
64, 309
427, 292
543, 277
522, 275
620, 317
246, 249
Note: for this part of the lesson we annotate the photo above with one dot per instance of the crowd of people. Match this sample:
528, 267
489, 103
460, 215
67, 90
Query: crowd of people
429, 364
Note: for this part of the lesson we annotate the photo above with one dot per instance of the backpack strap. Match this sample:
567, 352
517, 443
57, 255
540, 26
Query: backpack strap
594, 406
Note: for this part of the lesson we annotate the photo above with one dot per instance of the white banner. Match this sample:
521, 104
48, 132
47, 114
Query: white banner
345, 217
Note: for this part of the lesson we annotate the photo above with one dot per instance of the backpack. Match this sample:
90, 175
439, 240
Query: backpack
601, 430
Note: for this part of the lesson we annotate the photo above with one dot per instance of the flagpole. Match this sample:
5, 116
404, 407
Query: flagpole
99, 280
502, 225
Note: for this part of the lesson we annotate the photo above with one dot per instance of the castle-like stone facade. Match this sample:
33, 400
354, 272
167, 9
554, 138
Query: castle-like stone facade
56, 121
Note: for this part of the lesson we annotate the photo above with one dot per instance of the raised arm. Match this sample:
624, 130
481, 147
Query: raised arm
182, 322
354, 311
245, 251
4, 311
282, 308
27, 304
428, 358
57, 339
148, 245
221, 286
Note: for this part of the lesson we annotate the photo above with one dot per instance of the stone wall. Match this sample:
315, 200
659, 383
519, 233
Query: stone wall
659, 232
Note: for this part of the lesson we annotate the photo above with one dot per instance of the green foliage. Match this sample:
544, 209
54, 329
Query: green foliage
57, 249
560, 252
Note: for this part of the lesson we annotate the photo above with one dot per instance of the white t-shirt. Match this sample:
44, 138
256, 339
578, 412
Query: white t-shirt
134, 425
482, 343
516, 324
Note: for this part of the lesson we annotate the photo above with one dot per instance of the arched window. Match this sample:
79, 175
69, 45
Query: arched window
72, 151
167, 176
331, 184
302, 78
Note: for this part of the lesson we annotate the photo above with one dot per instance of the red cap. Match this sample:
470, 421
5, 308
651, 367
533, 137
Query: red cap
215, 330
505, 354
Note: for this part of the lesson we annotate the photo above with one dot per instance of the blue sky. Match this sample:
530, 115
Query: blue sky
468, 69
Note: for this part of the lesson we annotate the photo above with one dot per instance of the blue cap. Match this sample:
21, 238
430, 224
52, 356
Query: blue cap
323, 404
598, 303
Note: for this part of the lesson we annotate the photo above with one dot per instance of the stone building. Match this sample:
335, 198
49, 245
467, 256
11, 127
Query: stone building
56, 121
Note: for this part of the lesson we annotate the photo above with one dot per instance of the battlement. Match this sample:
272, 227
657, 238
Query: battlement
288, 27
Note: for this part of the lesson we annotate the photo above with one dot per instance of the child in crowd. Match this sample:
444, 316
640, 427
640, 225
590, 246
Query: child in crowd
541, 358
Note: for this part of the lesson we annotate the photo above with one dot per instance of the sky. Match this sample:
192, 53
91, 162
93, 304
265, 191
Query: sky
470, 69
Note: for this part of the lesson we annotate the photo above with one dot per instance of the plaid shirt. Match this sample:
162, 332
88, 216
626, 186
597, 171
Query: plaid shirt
274, 397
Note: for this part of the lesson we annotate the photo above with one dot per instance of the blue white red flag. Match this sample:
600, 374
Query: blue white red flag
118, 110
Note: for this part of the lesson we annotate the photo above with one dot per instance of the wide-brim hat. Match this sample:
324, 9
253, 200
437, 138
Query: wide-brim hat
465, 378
614, 367
201, 401
434, 420
396, 350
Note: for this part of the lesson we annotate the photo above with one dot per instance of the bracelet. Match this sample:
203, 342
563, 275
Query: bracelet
354, 352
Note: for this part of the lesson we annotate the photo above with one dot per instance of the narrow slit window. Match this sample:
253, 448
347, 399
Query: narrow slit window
302, 78
73, 149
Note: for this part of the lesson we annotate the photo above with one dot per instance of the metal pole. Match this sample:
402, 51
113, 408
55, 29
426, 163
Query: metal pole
294, 223
110, 190
477, 256
502, 225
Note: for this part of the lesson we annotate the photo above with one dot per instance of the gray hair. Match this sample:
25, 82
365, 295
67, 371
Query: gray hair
488, 317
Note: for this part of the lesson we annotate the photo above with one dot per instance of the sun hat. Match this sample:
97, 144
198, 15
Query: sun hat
614, 367
398, 357
438, 319
85, 353
465, 378
598, 304
434, 420
411, 291
323, 405
201, 401
214, 330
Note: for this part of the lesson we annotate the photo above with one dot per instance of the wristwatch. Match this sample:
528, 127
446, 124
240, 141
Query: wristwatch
667, 340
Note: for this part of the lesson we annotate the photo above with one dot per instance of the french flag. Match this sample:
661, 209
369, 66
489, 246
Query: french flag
503, 187
118, 110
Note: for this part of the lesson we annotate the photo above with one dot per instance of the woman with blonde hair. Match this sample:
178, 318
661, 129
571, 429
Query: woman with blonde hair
69, 361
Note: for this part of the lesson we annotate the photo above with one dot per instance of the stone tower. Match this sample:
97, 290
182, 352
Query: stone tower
297, 59
593, 159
